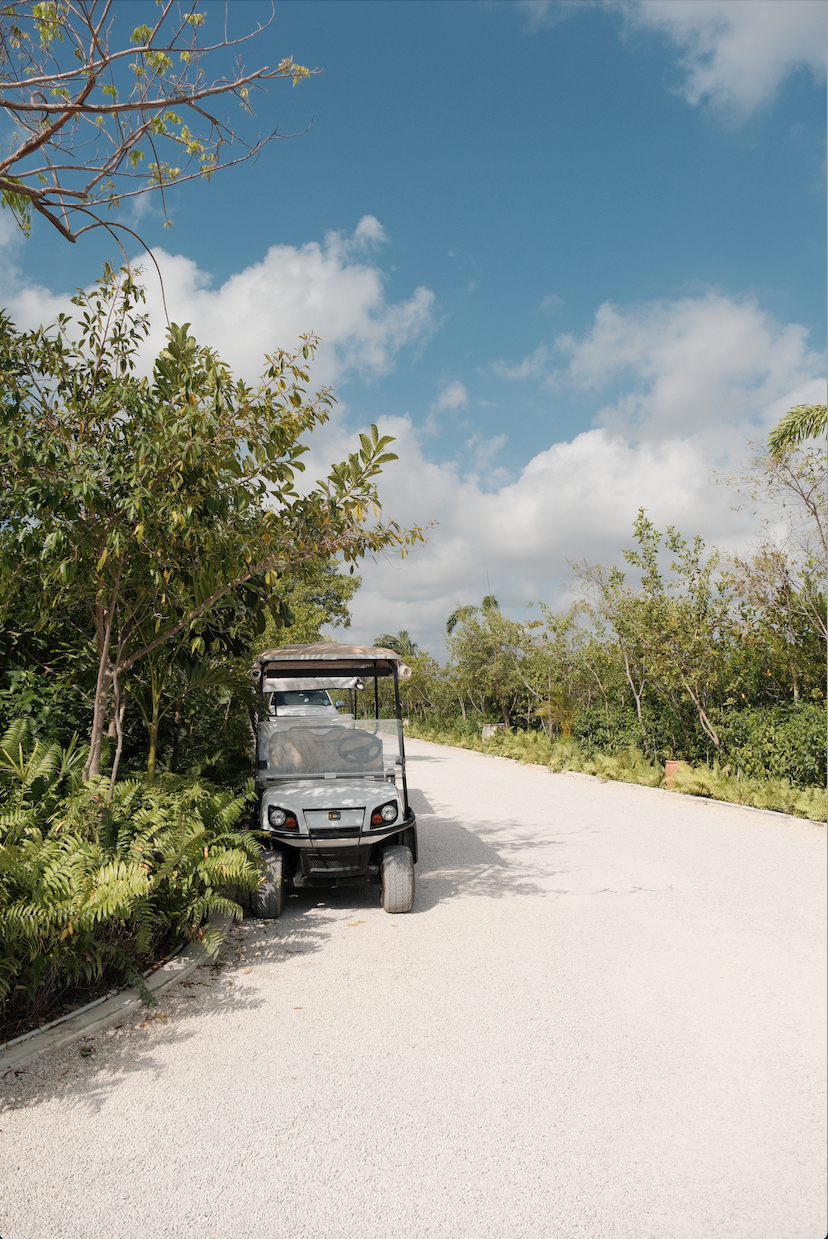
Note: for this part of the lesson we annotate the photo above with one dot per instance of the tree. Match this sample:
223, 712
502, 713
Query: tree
483, 650
610, 600
783, 582
159, 503
103, 120
461, 613
671, 631
401, 644
549, 663
312, 594
805, 421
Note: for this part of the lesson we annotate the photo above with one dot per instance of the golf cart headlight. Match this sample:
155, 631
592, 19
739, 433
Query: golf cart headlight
281, 819
384, 814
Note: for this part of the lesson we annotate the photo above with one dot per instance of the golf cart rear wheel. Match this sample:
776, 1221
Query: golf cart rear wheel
267, 901
397, 879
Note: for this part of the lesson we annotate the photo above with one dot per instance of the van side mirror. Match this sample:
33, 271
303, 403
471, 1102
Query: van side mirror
339, 703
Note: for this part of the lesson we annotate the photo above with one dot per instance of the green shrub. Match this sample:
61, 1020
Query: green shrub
715, 781
768, 793
671, 731
94, 879
787, 742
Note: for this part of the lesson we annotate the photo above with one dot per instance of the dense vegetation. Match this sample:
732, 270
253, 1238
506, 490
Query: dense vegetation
681, 654
151, 539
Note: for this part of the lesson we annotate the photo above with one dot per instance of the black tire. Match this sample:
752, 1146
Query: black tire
268, 900
240, 895
397, 879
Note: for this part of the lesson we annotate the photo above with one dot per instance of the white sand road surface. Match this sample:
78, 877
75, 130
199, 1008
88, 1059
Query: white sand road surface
604, 1018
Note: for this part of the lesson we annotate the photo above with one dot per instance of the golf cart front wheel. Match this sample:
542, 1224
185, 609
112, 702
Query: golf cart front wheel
397, 879
267, 901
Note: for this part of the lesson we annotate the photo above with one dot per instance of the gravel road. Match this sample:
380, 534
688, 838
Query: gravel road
603, 1018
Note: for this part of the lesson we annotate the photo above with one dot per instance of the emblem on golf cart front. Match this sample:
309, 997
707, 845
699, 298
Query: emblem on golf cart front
334, 816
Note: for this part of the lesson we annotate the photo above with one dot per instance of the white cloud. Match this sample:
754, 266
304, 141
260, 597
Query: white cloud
529, 368
735, 54
550, 303
453, 396
540, 13
482, 453
697, 362
698, 379
679, 387
326, 289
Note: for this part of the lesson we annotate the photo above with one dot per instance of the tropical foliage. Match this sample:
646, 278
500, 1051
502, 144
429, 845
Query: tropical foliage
91, 885
152, 539
161, 512
680, 653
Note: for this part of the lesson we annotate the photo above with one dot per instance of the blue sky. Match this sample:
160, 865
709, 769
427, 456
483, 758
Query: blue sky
590, 265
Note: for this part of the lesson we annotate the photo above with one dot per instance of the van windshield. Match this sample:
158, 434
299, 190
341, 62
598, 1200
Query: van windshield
304, 697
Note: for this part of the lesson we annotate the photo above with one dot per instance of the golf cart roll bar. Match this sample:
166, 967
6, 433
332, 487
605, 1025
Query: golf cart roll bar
329, 664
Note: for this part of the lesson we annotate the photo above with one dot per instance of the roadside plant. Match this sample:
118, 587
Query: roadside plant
90, 890
163, 508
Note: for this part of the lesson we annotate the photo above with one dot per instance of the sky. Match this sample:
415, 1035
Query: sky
570, 254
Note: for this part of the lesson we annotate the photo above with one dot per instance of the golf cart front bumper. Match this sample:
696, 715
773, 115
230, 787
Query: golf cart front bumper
342, 854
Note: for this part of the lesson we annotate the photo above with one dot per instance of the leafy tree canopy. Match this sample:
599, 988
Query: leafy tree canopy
156, 504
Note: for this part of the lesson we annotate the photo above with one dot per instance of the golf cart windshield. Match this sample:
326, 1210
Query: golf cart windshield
305, 747
300, 732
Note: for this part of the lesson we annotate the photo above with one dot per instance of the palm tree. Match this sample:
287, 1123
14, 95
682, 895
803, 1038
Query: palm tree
460, 613
805, 421
401, 644
459, 616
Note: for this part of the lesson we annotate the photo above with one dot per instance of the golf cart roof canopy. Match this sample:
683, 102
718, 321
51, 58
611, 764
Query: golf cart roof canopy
328, 660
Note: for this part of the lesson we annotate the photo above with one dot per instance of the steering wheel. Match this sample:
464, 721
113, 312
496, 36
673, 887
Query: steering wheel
358, 749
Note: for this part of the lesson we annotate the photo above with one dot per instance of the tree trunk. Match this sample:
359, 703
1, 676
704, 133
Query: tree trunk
176, 738
707, 726
636, 695
104, 615
92, 767
118, 711
153, 738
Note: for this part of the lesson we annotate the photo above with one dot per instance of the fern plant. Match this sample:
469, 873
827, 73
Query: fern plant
94, 878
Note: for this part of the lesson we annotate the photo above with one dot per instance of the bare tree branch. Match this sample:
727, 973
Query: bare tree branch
85, 106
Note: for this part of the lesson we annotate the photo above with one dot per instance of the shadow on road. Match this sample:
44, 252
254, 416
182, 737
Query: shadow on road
212, 993
454, 861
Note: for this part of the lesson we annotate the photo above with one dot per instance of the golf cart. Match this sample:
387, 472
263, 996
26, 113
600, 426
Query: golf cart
331, 788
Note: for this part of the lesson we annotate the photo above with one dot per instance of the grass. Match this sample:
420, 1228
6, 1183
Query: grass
715, 782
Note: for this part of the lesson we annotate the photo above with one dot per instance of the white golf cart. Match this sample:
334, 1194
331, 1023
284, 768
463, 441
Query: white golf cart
329, 798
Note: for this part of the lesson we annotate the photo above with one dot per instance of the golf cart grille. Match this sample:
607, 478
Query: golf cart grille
338, 863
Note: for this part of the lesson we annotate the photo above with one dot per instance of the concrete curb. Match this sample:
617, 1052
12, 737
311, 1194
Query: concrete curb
687, 797
93, 1020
